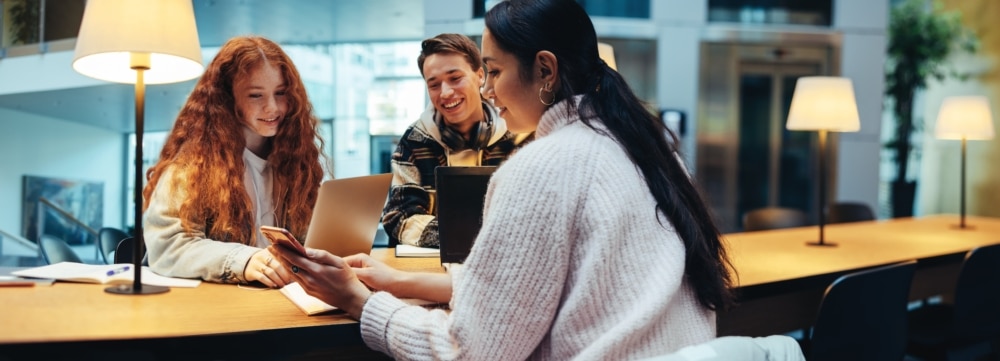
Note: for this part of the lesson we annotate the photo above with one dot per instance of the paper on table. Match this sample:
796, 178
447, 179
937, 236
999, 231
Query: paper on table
403, 250
97, 273
312, 305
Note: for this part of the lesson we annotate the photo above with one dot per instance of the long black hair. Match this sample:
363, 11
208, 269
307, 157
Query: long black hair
525, 27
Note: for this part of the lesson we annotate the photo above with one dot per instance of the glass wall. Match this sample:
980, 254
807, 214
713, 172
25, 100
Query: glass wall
365, 94
638, 9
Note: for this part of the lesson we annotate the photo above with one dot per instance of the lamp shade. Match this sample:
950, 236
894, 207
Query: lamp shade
966, 117
116, 35
823, 103
607, 53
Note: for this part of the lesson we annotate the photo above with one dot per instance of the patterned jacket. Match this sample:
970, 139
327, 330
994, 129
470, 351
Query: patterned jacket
408, 216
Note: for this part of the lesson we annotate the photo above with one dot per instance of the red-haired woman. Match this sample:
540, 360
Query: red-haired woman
244, 152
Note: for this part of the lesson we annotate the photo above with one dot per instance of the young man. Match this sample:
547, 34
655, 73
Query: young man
458, 129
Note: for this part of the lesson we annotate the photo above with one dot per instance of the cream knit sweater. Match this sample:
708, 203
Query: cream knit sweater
571, 262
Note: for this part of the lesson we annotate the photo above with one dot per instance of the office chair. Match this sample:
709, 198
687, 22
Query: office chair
55, 250
965, 328
123, 252
863, 316
773, 218
107, 240
844, 212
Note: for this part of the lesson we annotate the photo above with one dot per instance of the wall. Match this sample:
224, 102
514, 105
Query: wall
939, 182
42, 146
863, 24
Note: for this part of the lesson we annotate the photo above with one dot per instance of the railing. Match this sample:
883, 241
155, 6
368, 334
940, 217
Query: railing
18, 239
68, 216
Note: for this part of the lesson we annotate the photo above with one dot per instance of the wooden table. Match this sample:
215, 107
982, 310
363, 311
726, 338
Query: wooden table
209, 321
781, 279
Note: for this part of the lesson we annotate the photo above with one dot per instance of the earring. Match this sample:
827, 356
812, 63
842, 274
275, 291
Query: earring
547, 88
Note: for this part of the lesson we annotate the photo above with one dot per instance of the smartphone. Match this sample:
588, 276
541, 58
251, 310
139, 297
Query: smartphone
284, 238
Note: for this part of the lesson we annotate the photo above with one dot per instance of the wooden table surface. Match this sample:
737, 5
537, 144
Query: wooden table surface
82, 312
775, 269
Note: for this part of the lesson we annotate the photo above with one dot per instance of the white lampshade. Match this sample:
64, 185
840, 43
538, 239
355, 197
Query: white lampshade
966, 117
117, 34
823, 103
607, 53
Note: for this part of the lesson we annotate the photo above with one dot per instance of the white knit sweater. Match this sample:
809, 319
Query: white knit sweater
571, 262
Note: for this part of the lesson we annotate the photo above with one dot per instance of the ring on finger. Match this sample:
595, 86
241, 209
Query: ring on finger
295, 269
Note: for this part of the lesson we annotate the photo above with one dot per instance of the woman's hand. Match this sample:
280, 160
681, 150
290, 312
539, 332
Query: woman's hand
265, 268
374, 273
434, 287
326, 277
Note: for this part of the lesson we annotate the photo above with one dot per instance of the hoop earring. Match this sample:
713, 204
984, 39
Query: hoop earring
547, 88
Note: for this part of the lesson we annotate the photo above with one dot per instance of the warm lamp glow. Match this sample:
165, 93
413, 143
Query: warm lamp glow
116, 34
824, 103
607, 53
138, 42
966, 117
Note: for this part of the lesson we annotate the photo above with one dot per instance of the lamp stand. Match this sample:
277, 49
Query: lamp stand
822, 190
961, 222
138, 249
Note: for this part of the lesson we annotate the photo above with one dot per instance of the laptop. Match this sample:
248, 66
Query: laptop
346, 215
461, 193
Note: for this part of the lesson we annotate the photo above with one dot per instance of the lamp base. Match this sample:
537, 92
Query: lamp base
124, 289
824, 244
959, 227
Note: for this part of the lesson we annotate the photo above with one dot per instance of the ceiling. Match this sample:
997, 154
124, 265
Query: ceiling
288, 22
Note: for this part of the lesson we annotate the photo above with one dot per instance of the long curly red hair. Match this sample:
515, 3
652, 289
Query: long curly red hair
205, 149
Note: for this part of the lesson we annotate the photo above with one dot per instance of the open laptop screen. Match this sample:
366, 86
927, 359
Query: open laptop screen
461, 192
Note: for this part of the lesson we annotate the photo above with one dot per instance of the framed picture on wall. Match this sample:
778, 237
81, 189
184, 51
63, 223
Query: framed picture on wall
71, 210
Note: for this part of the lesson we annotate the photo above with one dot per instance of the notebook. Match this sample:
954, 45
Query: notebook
461, 193
346, 215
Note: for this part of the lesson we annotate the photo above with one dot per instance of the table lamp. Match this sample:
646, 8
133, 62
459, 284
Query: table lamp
138, 42
824, 104
965, 118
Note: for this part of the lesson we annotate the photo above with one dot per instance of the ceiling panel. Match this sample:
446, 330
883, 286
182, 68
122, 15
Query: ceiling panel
302, 22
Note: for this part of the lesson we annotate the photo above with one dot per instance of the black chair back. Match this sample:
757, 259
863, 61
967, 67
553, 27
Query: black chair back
55, 250
977, 294
123, 252
844, 212
863, 315
773, 218
107, 240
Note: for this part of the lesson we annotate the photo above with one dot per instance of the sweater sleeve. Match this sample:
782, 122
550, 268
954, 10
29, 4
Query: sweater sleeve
176, 253
508, 294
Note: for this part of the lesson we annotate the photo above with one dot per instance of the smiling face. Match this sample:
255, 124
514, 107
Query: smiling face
516, 98
453, 88
261, 104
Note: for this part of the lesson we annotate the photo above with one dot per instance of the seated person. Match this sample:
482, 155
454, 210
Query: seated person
242, 153
457, 129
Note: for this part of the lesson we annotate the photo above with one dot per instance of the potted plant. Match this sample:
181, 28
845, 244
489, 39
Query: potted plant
24, 21
920, 41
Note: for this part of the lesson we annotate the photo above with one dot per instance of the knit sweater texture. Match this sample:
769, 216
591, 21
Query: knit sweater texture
573, 261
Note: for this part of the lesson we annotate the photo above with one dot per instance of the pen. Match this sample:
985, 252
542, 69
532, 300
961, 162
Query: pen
117, 271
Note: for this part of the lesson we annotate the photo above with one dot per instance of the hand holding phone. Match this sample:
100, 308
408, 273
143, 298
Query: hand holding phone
284, 238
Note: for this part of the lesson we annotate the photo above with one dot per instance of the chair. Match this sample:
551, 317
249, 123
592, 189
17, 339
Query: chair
107, 240
962, 329
862, 316
55, 250
773, 218
123, 252
844, 212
